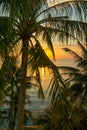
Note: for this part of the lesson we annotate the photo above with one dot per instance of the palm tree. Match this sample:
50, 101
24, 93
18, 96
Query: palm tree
77, 76
9, 72
77, 80
28, 19
60, 109
11, 76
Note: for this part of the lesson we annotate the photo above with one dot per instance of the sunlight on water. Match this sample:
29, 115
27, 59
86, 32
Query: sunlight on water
38, 105
42, 71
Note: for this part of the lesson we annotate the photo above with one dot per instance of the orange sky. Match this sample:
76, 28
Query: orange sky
60, 54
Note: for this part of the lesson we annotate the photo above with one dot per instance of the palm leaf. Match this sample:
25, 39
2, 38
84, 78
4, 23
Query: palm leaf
40, 91
83, 49
82, 64
68, 69
74, 54
47, 36
66, 8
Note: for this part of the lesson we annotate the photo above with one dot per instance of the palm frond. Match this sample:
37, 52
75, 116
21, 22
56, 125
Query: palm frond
37, 53
76, 78
56, 80
67, 9
47, 37
40, 91
82, 64
64, 111
83, 49
67, 69
52, 19
74, 54
77, 88
66, 29
63, 22
5, 6
3, 24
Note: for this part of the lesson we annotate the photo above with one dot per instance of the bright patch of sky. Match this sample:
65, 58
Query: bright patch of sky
4, 11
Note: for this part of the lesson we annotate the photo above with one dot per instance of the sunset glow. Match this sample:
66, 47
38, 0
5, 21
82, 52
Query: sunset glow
42, 71
60, 54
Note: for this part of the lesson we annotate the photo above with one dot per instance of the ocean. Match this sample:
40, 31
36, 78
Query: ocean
38, 105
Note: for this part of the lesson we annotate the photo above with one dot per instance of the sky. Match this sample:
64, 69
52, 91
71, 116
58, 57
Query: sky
51, 2
60, 54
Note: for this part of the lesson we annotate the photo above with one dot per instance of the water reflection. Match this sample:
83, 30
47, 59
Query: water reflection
38, 105
42, 71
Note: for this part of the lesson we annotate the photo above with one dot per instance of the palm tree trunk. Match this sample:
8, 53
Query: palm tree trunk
23, 83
